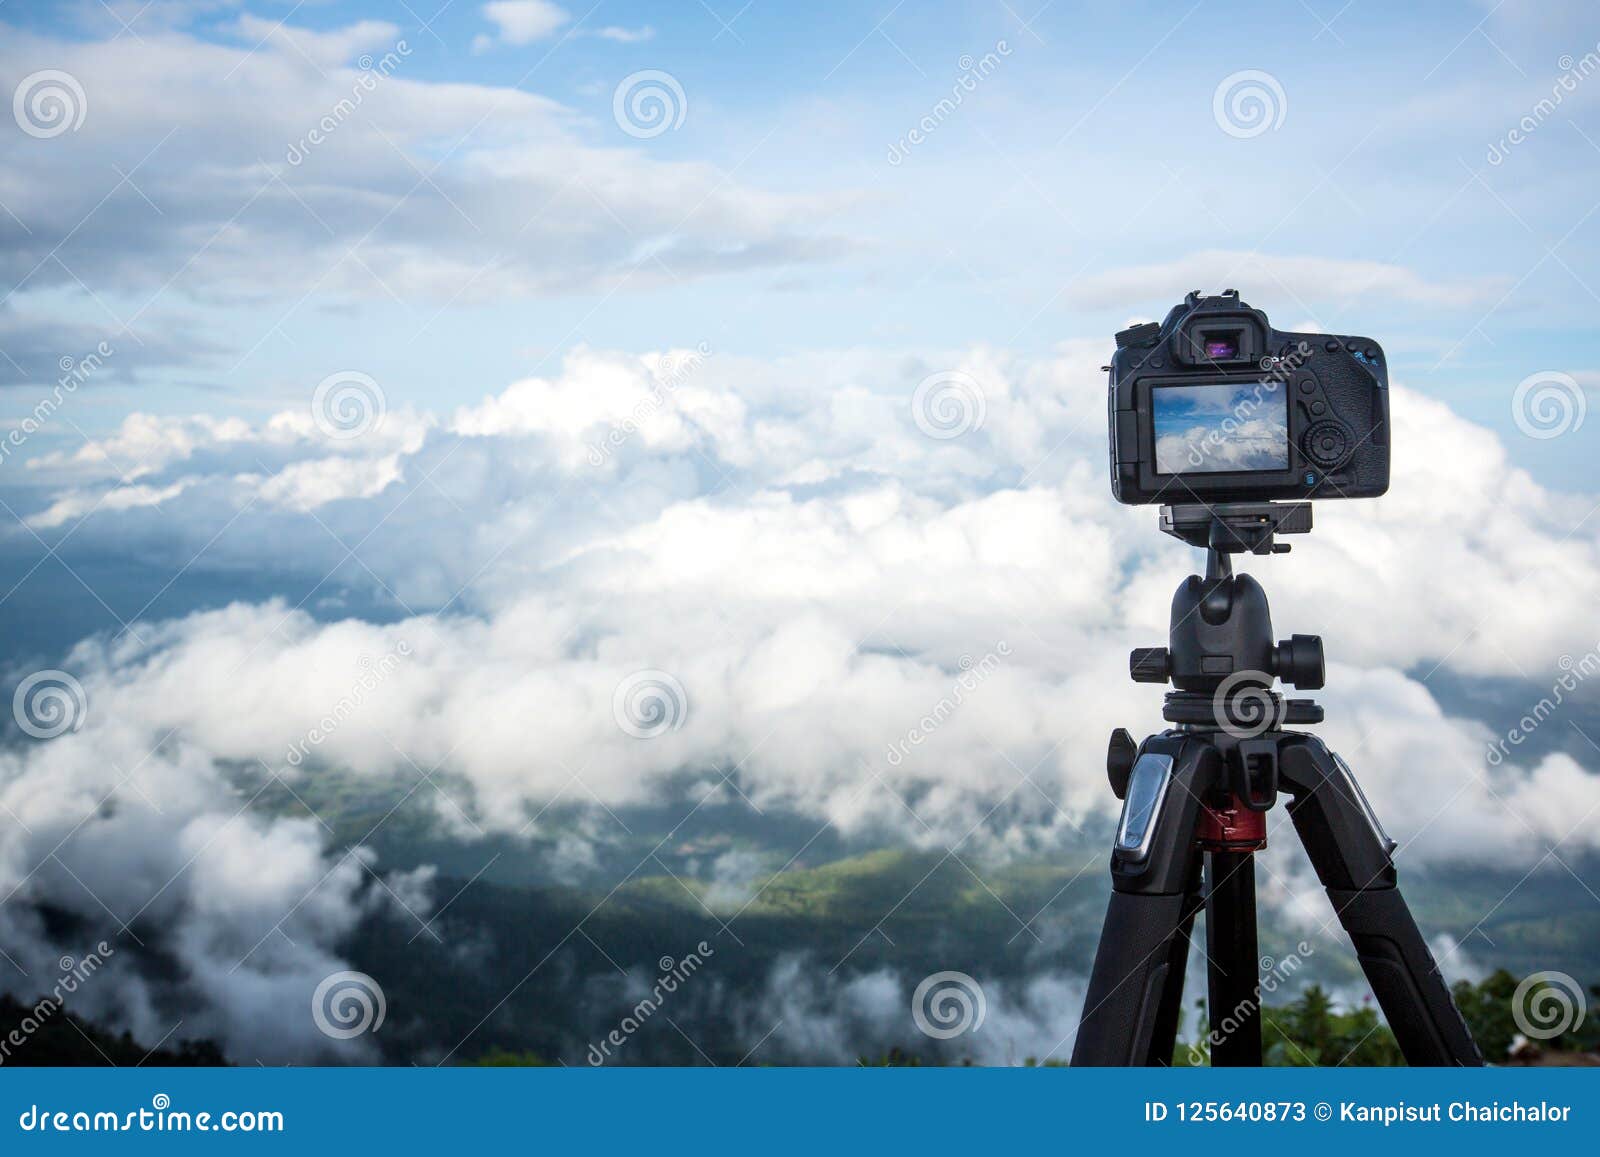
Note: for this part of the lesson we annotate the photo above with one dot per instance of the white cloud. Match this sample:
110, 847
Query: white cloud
75, 505
323, 49
784, 541
805, 1015
151, 852
145, 444
626, 35
308, 485
263, 172
525, 21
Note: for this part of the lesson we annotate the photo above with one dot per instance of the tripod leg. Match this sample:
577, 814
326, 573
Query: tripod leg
1233, 992
1131, 1010
1164, 1040
1352, 857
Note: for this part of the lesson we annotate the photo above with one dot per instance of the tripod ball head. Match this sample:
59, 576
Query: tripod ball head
1221, 627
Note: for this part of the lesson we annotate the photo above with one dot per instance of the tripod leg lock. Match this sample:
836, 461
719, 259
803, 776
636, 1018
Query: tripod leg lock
1134, 999
1121, 754
1155, 837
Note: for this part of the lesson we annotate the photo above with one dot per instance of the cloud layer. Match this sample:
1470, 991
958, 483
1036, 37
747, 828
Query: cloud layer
221, 922
293, 163
819, 577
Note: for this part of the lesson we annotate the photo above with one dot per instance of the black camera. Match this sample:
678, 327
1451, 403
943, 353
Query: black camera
1214, 405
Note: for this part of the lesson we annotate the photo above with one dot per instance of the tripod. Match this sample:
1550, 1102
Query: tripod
1195, 800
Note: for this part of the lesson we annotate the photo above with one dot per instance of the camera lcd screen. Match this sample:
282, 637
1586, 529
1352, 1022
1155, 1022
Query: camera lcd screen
1214, 428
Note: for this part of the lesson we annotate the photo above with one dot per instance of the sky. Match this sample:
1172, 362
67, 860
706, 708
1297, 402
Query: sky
484, 211
632, 404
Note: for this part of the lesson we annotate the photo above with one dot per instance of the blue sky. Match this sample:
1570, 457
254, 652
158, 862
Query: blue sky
1082, 181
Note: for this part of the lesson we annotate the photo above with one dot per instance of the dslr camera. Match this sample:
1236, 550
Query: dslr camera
1214, 405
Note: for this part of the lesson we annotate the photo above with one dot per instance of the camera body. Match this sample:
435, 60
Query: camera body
1214, 405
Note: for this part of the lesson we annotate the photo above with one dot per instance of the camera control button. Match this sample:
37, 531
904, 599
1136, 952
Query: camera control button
1326, 444
1319, 408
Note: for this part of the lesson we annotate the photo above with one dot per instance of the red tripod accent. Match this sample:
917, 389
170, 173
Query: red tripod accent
1233, 828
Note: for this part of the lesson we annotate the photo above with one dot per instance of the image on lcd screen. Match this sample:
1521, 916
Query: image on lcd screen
1206, 429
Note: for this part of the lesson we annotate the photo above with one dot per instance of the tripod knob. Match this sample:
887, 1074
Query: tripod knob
1150, 665
1299, 661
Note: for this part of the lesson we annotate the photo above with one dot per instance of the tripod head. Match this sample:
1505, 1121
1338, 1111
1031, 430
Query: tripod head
1219, 654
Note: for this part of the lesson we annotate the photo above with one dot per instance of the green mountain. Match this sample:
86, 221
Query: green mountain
539, 951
